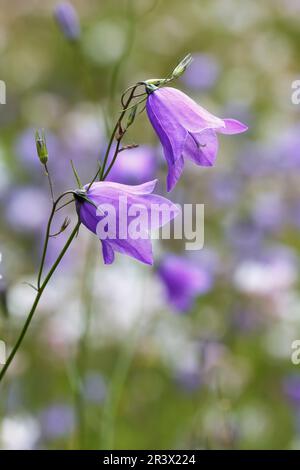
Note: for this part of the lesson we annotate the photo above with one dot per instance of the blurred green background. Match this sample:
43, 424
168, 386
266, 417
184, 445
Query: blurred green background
108, 362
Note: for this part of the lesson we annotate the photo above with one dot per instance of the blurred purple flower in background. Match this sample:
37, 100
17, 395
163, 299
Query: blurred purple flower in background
286, 149
255, 160
203, 72
138, 199
184, 281
27, 209
68, 21
189, 381
57, 421
246, 320
94, 387
134, 166
189, 377
269, 212
225, 188
186, 130
280, 156
291, 389
244, 236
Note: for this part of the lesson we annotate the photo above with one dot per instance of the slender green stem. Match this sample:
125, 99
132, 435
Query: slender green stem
47, 236
113, 160
50, 182
36, 301
64, 205
101, 170
104, 174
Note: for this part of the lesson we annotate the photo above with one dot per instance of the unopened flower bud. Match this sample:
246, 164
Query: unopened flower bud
41, 147
182, 66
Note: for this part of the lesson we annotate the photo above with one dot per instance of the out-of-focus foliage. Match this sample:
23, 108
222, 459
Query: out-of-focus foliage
107, 361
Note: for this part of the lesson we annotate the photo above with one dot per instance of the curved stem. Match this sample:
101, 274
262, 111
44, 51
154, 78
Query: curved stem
36, 301
101, 170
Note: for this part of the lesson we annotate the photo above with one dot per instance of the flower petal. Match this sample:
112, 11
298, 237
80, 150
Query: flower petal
140, 249
160, 211
98, 188
168, 128
172, 105
174, 172
232, 126
88, 215
202, 148
108, 252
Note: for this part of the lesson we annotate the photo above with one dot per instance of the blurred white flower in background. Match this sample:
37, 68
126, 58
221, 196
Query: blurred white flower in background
19, 432
265, 277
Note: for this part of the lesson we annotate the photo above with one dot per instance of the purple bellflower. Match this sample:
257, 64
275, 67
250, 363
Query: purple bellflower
67, 19
122, 216
184, 281
186, 130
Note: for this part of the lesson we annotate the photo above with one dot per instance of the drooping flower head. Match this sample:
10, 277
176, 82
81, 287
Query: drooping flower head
186, 130
123, 216
67, 19
184, 281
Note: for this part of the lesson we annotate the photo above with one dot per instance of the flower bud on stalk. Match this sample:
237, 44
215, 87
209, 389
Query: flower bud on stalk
182, 66
41, 147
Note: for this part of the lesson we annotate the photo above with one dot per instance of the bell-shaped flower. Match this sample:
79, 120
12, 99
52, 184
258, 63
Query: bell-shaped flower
123, 217
186, 130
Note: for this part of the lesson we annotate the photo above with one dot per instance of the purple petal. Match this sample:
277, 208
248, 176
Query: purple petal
88, 215
202, 148
232, 126
140, 249
168, 128
108, 253
179, 111
162, 211
174, 173
99, 187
